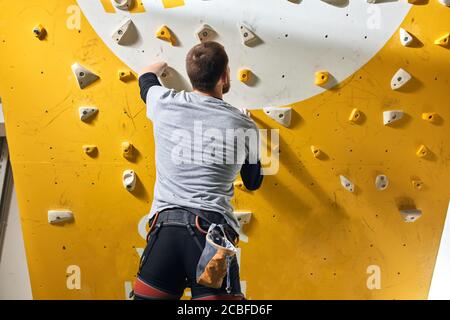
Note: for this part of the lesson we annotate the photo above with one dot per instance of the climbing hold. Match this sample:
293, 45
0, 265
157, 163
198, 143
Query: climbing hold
347, 184
411, 215
122, 33
206, 33
39, 32
243, 218
430, 116
400, 78
125, 75
127, 149
280, 115
422, 151
59, 216
405, 38
123, 4
129, 180
245, 112
445, 2
84, 76
245, 75
392, 116
443, 41
322, 78
165, 34
417, 184
355, 116
86, 113
316, 152
90, 150
381, 182
248, 36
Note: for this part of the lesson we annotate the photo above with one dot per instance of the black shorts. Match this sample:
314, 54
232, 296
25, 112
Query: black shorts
169, 262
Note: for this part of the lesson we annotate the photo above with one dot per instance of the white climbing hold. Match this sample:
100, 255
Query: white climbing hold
400, 78
129, 180
206, 33
87, 113
243, 218
120, 35
381, 182
392, 116
84, 76
281, 115
123, 4
127, 149
411, 215
248, 36
333, 2
405, 38
59, 216
347, 184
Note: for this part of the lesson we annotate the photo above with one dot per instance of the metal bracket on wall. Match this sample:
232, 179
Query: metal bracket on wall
6, 186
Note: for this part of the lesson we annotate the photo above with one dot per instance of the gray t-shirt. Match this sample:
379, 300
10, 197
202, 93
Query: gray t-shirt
200, 145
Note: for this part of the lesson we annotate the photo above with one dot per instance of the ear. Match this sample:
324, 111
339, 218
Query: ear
225, 76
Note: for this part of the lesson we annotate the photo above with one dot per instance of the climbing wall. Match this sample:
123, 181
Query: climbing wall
358, 92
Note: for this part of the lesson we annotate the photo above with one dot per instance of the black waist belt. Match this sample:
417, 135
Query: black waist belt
188, 216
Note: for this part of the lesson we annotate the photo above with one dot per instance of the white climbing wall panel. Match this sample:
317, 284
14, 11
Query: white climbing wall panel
295, 40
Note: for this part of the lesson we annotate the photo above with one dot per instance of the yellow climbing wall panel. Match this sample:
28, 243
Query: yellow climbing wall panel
310, 238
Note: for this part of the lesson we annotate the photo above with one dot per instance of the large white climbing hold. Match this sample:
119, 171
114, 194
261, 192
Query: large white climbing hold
411, 215
381, 182
84, 76
86, 113
400, 78
121, 34
59, 216
129, 180
347, 184
206, 33
243, 218
405, 38
248, 36
445, 2
281, 115
392, 116
123, 4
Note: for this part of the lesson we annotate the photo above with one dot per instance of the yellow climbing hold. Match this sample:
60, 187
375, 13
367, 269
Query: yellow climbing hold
322, 78
165, 34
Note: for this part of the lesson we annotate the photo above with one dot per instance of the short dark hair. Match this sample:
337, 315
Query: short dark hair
205, 64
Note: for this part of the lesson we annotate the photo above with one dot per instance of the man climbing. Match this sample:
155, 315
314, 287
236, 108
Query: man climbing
201, 145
